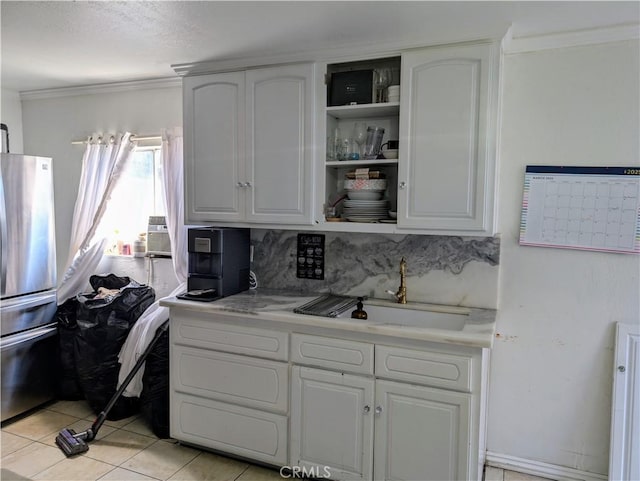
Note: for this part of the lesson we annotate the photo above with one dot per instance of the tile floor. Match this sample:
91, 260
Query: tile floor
125, 450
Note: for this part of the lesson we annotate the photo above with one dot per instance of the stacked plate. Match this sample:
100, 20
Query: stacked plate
365, 210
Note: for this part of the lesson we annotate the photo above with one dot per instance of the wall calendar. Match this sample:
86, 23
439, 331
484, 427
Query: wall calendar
589, 208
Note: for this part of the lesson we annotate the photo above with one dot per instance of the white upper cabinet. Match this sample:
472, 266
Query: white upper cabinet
279, 147
248, 147
214, 147
446, 173
255, 144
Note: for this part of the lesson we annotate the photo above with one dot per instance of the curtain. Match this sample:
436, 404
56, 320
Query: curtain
144, 329
102, 165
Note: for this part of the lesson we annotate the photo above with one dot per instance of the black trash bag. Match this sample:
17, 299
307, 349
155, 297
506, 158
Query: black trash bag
110, 281
154, 398
67, 385
104, 320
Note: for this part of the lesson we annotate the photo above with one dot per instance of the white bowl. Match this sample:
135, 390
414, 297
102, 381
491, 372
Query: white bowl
390, 153
365, 184
393, 215
365, 194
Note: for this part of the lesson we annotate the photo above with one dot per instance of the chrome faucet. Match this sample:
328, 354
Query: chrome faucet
401, 295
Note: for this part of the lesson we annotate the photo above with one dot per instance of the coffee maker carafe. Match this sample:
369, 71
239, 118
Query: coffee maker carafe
218, 261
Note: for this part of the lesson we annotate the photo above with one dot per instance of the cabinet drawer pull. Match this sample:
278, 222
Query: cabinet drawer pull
367, 409
403, 185
378, 409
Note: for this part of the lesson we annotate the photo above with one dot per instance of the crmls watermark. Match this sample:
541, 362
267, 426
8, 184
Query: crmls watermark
302, 472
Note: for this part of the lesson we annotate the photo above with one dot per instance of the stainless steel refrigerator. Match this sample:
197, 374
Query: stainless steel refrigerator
28, 339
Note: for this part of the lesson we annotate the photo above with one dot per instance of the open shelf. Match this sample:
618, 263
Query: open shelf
383, 115
387, 109
360, 163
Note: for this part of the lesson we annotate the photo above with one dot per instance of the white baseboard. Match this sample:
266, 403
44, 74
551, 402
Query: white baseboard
537, 468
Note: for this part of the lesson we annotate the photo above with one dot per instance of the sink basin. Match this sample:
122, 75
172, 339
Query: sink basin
406, 316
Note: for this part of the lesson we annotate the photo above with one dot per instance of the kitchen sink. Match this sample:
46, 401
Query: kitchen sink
402, 315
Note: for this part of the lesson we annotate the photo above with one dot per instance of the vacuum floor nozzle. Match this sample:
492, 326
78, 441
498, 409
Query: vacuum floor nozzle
70, 444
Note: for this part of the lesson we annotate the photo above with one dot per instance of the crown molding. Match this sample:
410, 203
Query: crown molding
617, 33
162, 83
333, 54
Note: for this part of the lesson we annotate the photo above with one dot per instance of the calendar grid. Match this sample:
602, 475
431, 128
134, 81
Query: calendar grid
587, 208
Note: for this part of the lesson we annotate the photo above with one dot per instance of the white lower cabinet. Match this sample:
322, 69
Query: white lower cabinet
234, 429
332, 407
223, 399
253, 382
421, 433
332, 423
367, 427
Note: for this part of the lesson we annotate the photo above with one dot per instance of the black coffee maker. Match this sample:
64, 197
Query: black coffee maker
218, 262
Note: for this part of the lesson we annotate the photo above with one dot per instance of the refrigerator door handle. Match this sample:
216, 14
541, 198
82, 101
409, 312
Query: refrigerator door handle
3, 234
9, 341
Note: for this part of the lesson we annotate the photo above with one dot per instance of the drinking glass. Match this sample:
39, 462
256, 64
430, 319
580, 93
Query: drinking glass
336, 140
331, 149
359, 135
381, 80
374, 140
349, 147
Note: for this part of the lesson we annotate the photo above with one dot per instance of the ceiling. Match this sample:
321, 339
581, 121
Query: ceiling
52, 44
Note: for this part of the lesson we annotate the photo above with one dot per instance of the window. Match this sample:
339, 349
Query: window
138, 195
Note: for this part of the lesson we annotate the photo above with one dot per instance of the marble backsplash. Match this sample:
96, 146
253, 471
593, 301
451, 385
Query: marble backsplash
440, 269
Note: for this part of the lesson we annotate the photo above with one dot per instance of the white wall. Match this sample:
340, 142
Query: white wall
11, 116
52, 123
551, 369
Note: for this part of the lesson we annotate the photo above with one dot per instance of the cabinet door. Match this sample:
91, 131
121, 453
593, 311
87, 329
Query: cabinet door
331, 423
447, 129
421, 433
214, 147
624, 458
280, 140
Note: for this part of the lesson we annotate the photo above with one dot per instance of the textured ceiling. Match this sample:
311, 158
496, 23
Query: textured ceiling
59, 44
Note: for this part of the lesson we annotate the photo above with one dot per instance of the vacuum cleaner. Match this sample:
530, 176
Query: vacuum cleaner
72, 443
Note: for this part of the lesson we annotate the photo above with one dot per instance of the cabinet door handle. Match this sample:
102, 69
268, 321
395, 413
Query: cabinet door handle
366, 409
378, 409
403, 185
239, 184
247, 184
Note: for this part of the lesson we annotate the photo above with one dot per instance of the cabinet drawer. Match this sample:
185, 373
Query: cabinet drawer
350, 356
450, 371
198, 330
227, 377
234, 429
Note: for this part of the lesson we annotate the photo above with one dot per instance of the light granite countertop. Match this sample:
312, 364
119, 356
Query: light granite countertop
476, 329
